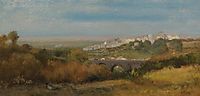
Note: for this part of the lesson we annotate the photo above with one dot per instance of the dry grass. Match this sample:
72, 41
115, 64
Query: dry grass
23, 65
191, 44
166, 82
74, 72
154, 86
175, 76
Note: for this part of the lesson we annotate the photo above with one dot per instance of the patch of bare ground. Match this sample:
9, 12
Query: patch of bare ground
35, 90
103, 88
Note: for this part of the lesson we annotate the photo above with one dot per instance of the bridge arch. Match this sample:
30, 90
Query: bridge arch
102, 64
118, 68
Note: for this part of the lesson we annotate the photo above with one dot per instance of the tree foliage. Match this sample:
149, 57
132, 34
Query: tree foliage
160, 46
13, 36
3, 40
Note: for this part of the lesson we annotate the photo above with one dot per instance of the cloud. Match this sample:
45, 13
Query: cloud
99, 17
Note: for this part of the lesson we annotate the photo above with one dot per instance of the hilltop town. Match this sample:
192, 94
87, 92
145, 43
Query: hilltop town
120, 41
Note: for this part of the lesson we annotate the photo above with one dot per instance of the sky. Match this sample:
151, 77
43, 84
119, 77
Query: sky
99, 18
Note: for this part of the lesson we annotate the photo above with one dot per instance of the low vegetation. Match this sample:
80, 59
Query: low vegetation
20, 64
186, 74
178, 82
183, 81
74, 73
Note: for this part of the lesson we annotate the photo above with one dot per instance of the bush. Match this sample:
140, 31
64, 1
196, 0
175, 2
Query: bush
98, 72
176, 62
20, 65
77, 55
72, 72
4, 53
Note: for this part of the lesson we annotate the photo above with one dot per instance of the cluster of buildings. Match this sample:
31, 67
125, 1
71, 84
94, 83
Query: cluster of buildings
107, 44
118, 42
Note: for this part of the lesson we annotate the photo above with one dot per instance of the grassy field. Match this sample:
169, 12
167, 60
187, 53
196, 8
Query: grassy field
191, 44
175, 76
184, 81
166, 82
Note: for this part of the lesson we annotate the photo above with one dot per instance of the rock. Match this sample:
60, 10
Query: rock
53, 86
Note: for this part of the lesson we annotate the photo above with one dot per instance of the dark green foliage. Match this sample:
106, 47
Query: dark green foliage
138, 45
176, 62
159, 46
131, 43
146, 46
42, 56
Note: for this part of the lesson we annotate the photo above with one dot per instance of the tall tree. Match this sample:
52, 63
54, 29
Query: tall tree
160, 46
13, 36
147, 44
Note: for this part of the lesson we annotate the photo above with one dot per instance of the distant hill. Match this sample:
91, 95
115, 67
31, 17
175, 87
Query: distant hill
59, 44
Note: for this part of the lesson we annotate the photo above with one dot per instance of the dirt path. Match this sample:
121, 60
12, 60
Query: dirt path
103, 88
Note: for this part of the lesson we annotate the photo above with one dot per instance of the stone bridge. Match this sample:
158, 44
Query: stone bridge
127, 65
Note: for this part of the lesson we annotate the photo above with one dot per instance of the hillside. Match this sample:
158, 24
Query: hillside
141, 49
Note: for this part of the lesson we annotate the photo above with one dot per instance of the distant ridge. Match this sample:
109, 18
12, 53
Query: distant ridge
63, 38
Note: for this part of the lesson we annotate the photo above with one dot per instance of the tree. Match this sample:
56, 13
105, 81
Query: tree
43, 56
160, 46
138, 45
13, 36
143, 46
147, 44
131, 43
